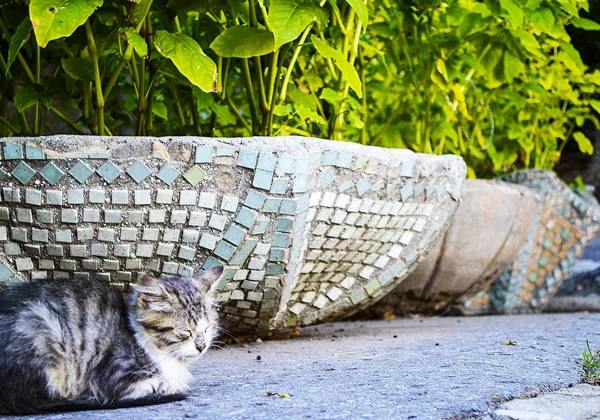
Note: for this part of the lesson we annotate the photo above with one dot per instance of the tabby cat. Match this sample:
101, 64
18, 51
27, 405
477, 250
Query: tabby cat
74, 345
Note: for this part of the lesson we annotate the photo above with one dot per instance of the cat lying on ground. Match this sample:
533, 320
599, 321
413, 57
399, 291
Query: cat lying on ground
74, 345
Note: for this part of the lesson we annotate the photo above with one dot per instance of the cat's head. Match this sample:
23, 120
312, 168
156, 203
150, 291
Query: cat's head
176, 316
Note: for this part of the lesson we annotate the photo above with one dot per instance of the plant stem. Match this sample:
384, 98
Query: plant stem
290, 69
65, 119
235, 112
172, 88
97, 78
250, 93
153, 67
364, 134
139, 130
38, 66
9, 125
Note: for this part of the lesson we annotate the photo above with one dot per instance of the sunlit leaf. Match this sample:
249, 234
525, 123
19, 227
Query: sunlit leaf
348, 71
136, 41
243, 42
288, 18
585, 145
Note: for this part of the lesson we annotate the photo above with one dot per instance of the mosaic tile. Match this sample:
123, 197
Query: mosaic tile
80, 171
195, 175
229, 203
85, 234
113, 216
144, 250
188, 198
24, 216
266, 162
63, 235
190, 236
150, 234
235, 234
271, 205
224, 250
69, 216
13, 151
254, 199
262, 179
11, 195
345, 160
51, 173
168, 174
75, 196
109, 171
208, 241
97, 196
363, 186
285, 165
197, 218
288, 206
326, 178
246, 217
90, 215
279, 185
207, 200
247, 158
141, 197
217, 221
156, 216
44, 216
204, 154
3, 174
138, 172
23, 172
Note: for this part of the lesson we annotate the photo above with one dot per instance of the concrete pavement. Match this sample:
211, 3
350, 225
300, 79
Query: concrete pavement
428, 368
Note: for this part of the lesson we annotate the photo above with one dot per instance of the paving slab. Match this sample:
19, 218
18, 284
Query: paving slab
421, 368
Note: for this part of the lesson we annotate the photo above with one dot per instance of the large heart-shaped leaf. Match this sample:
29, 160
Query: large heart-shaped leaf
53, 19
348, 71
188, 57
243, 42
19, 38
515, 13
288, 18
543, 18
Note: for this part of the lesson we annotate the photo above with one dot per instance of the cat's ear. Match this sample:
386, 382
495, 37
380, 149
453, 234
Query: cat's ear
208, 278
150, 291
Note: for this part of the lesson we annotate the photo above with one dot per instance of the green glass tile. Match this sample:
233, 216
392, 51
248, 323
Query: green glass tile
13, 150
210, 263
34, 153
23, 172
345, 160
109, 171
204, 154
299, 184
372, 287
246, 217
302, 166
254, 199
262, 179
51, 173
288, 206
5, 272
346, 185
327, 178
441, 190
138, 171
277, 254
195, 175
315, 157
303, 204
281, 240
378, 185
168, 173
548, 244
363, 186
275, 269
266, 162
543, 261
284, 224
81, 172
329, 158
261, 226
247, 158
407, 191
430, 191
244, 252
360, 162
565, 234
235, 234
419, 189
407, 168
272, 205
224, 250
285, 165
2, 174
224, 151
279, 185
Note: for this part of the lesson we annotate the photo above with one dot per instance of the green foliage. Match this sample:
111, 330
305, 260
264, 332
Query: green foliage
496, 81
590, 368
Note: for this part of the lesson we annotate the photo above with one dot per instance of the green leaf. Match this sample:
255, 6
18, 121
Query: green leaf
348, 71
513, 66
224, 115
308, 114
585, 145
243, 42
515, 13
160, 110
361, 11
587, 24
19, 38
78, 68
201, 6
288, 18
188, 57
441, 67
573, 56
140, 11
543, 18
331, 96
595, 104
53, 19
135, 40
283, 110
529, 42
27, 97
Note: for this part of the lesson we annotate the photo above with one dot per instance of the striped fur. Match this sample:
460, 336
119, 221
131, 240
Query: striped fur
80, 344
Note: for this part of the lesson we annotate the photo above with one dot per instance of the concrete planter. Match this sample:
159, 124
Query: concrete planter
490, 226
567, 222
309, 230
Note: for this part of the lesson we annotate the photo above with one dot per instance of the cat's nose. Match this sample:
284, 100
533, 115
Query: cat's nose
200, 347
